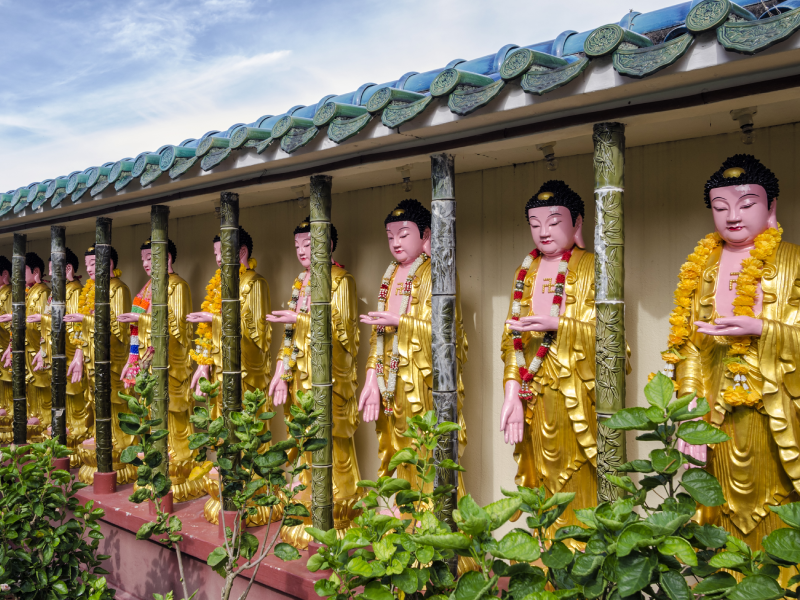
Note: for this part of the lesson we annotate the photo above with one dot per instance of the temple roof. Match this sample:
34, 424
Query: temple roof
638, 46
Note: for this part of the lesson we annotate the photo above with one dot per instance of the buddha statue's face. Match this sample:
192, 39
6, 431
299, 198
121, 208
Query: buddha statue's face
147, 262
30, 276
89, 261
405, 242
741, 212
302, 246
552, 229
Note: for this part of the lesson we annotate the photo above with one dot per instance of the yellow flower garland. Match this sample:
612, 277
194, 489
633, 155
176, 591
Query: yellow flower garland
86, 306
204, 344
752, 270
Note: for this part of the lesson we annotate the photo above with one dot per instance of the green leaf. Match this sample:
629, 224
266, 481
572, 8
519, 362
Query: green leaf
586, 564
286, 552
404, 456
634, 536
471, 518
145, 531
727, 560
444, 541
718, 582
710, 536
358, 566
622, 482
685, 413
314, 444
666, 461
60, 588
325, 588
659, 391
249, 545
315, 562
573, 532
789, 513
680, 548
703, 487
629, 419
406, 581
558, 556
425, 554
449, 463
700, 432
666, 522
472, 586
375, 590
784, 544
756, 587
323, 537
636, 466
501, 511
516, 545
217, 556
391, 486
130, 454
675, 585
634, 571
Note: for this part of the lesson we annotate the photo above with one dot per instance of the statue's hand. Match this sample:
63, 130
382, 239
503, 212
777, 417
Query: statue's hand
7, 357
200, 317
6, 318
128, 318
534, 323
38, 361
73, 318
381, 318
734, 326
512, 417
200, 372
282, 316
31, 319
370, 401
75, 371
278, 388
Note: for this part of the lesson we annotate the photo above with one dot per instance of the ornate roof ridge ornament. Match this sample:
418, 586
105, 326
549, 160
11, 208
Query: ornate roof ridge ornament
76, 186
98, 178
57, 190
177, 159
20, 199
146, 167
120, 174
276, 134
6, 203
213, 149
711, 14
36, 195
342, 119
606, 39
750, 37
641, 62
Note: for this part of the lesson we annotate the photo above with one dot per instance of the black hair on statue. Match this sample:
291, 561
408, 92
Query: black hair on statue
71, 259
305, 227
556, 193
743, 169
5, 265
244, 240
34, 261
114, 255
171, 248
411, 210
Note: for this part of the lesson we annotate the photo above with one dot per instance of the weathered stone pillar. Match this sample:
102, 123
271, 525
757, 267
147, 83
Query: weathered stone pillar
610, 347
102, 346
18, 339
321, 350
443, 325
58, 339
231, 320
159, 323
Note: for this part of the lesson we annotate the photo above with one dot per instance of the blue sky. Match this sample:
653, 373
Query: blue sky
83, 83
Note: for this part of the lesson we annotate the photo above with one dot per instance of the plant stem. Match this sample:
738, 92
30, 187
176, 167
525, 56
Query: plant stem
180, 570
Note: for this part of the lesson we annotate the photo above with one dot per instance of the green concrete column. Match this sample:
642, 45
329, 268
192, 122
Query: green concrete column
58, 339
20, 426
102, 345
321, 350
610, 347
159, 324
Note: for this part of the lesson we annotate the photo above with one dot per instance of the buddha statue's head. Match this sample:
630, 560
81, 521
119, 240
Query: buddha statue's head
34, 268
555, 216
89, 261
408, 228
147, 256
245, 248
72, 265
5, 271
743, 198
302, 241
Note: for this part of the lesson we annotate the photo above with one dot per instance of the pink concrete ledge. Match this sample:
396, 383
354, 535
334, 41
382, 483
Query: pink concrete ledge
141, 568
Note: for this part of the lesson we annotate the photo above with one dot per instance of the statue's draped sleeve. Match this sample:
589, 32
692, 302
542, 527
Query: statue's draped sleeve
35, 304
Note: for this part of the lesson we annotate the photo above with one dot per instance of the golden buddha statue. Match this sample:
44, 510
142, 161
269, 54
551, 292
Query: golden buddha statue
6, 390
401, 340
80, 417
734, 341
548, 348
256, 338
293, 374
179, 304
82, 365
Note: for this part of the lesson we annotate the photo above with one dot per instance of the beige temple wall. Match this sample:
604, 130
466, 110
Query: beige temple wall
665, 216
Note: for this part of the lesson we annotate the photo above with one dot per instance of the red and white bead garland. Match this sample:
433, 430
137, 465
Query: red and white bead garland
388, 387
527, 373
290, 350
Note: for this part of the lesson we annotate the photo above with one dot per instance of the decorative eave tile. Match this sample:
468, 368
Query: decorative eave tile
398, 113
542, 82
750, 37
464, 101
343, 128
646, 61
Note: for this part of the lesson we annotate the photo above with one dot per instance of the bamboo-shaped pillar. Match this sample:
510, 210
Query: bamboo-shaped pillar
58, 341
159, 222
102, 344
18, 339
231, 324
321, 349
443, 325
610, 347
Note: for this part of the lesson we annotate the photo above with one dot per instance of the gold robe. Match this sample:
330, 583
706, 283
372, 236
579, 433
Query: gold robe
119, 347
179, 303
80, 417
345, 339
37, 382
256, 337
760, 465
559, 447
6, 389
414, 393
